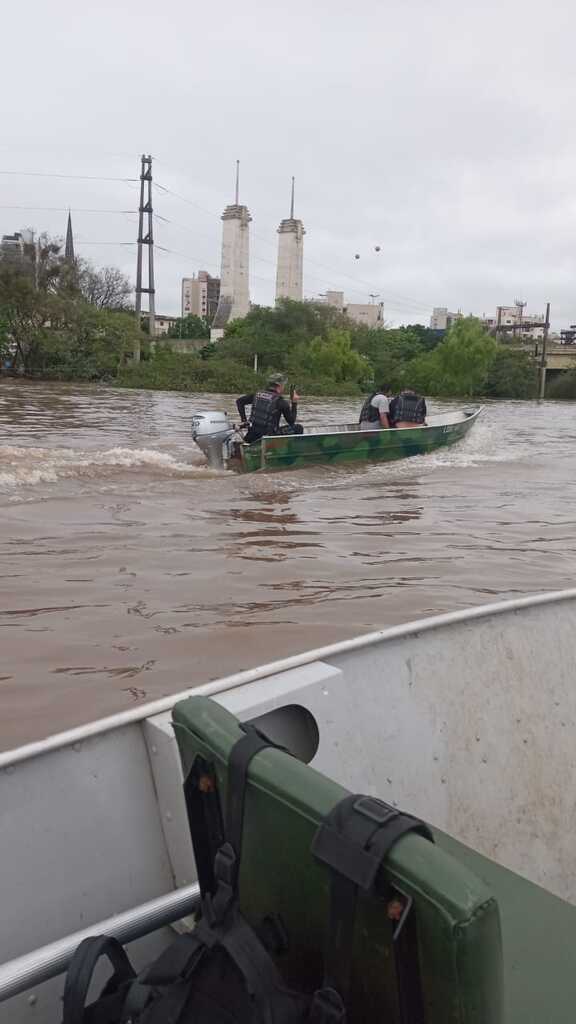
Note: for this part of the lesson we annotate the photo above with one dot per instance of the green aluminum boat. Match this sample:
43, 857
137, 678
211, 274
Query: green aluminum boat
347, 443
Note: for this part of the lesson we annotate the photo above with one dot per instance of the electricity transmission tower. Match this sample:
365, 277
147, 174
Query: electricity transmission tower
148, 240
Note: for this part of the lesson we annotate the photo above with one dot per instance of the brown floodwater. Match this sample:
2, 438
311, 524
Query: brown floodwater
129, 571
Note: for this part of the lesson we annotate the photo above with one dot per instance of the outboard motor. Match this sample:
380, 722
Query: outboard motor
212, 432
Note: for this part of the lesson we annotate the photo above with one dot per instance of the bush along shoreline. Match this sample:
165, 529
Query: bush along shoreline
62, 320
324, 354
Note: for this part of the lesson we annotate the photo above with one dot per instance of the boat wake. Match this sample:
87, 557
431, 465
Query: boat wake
28, 466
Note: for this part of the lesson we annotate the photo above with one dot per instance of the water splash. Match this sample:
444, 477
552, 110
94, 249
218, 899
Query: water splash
29, 466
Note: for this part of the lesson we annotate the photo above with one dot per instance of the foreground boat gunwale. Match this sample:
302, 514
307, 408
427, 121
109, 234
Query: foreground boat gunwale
110, 723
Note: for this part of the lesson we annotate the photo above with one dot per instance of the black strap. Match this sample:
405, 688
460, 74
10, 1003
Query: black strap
354, 841
171, 971
217, 850
204, 819
175, 967
80, 974
176, 961
241, 755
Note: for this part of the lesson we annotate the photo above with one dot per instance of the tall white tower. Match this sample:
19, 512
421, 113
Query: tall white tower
234, 301
290, 256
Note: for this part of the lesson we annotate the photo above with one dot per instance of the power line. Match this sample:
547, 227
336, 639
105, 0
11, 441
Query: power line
394, 300
79, 177
61, 209
199, 259
398, 303
80, 242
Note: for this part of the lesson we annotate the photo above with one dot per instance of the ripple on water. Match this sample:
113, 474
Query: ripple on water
123, 558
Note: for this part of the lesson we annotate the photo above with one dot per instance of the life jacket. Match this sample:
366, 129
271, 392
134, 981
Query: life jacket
368, 414
409, 408
265, 415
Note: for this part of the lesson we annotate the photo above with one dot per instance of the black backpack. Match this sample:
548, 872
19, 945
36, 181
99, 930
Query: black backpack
224, 971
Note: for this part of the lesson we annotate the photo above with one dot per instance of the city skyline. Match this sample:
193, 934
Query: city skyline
457, 162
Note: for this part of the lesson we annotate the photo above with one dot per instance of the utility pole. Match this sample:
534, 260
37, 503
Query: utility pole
145, 207
546, 328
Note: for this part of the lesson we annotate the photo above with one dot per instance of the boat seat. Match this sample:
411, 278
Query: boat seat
453, 952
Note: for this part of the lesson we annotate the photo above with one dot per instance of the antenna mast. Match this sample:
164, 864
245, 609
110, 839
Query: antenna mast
147, 239
237, 196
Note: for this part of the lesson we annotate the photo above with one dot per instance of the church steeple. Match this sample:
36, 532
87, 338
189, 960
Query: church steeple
69, 249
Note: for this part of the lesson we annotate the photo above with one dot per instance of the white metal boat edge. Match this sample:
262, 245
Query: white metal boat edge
466, 719
157, 707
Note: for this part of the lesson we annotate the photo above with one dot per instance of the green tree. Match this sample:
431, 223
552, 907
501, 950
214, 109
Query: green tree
59, 334
189, 327
391, 351
273, 334
512, 374
26, 311
331, 358
459, 365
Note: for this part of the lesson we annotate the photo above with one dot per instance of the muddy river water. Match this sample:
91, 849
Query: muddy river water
129, 571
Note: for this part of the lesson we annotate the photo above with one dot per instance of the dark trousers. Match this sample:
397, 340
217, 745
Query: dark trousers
252, 436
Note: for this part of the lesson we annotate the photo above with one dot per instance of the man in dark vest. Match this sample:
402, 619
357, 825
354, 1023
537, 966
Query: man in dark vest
408, 410
267, 409
374, 414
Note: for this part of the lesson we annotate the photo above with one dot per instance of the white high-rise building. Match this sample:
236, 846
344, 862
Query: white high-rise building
289, 271
234, 301
200, 295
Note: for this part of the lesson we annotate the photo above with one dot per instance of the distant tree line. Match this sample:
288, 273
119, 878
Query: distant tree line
69, 320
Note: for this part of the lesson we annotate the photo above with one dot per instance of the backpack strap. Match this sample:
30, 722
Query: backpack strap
108, 1007
220, 860
353, 842
239, 761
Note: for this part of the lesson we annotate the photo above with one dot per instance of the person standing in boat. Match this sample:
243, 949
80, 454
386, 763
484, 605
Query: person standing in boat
408, 410
375, 413
268, 407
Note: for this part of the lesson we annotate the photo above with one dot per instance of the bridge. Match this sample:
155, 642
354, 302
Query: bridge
558, 357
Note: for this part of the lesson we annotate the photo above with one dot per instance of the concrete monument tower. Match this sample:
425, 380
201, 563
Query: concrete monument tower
234, 301
290, 256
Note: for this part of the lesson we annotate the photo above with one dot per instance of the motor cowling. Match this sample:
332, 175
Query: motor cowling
212, 432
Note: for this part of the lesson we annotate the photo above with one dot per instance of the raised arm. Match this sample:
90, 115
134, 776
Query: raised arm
241, 404
289, 410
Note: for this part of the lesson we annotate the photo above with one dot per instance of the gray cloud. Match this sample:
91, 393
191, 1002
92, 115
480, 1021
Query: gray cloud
441, 132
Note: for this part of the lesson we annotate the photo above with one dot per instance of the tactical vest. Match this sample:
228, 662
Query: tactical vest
264, 417
409, 409
368, 414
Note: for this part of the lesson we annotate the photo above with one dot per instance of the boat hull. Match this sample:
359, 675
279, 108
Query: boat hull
349, 444
467, 720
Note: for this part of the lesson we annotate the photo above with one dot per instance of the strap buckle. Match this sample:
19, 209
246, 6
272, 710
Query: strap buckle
215, 908
375, 810
226, 865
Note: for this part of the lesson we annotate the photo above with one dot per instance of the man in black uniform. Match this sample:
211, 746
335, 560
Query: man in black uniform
408, 410
267, 408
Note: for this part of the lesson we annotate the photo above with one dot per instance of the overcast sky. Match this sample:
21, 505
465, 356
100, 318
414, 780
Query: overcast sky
441, 131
